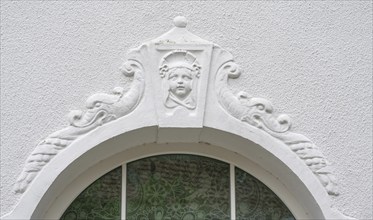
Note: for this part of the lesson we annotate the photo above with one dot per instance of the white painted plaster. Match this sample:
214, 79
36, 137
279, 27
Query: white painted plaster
58, 206
313, 60
270, 160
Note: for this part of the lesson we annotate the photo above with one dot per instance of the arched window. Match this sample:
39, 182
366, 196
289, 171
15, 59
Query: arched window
177, 186
185, 144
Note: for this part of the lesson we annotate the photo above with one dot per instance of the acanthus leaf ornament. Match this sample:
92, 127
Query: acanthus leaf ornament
259, 112
101, 109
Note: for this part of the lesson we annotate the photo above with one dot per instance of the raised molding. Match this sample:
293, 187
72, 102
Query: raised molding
181, 111
101, 108
259, 112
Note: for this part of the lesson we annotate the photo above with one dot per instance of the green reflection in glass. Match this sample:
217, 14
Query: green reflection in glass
100, 200
254, 200
178, 187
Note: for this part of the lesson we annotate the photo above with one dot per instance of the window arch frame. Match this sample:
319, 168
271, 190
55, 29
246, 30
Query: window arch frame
95, 147
310, 199
139, 116
199, 149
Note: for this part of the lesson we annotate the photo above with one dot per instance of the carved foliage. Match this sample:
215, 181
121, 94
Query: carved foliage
101, 108
258, 112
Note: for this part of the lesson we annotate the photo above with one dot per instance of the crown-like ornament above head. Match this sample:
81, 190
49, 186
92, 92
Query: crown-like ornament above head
186, 102
179, 59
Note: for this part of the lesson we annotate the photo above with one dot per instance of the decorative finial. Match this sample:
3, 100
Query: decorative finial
180, 22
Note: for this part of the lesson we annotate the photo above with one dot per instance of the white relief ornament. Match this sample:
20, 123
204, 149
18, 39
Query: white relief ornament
179, 71
102, 108
259, 112
176, 98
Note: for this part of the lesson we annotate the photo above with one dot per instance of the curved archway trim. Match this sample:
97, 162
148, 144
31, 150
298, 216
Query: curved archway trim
200, 108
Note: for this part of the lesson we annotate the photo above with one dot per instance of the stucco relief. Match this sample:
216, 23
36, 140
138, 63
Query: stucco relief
259, 112
101, 108
180, 71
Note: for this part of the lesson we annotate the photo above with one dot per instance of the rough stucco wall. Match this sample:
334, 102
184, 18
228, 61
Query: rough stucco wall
313, 60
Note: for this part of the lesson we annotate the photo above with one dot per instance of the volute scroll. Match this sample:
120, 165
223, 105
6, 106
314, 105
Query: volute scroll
101, 109
180, 89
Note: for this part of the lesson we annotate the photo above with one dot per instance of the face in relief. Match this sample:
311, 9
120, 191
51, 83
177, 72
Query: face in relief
180, 81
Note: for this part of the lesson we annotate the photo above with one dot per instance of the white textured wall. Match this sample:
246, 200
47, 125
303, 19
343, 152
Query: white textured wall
313, 60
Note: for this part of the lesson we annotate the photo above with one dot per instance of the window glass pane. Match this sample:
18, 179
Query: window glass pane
178, 187
254, 200
100, 200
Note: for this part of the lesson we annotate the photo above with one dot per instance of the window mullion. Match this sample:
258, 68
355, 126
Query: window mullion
233, 192
124, 183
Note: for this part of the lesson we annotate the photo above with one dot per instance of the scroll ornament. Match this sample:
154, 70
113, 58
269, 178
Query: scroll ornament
101, 109
259, 112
